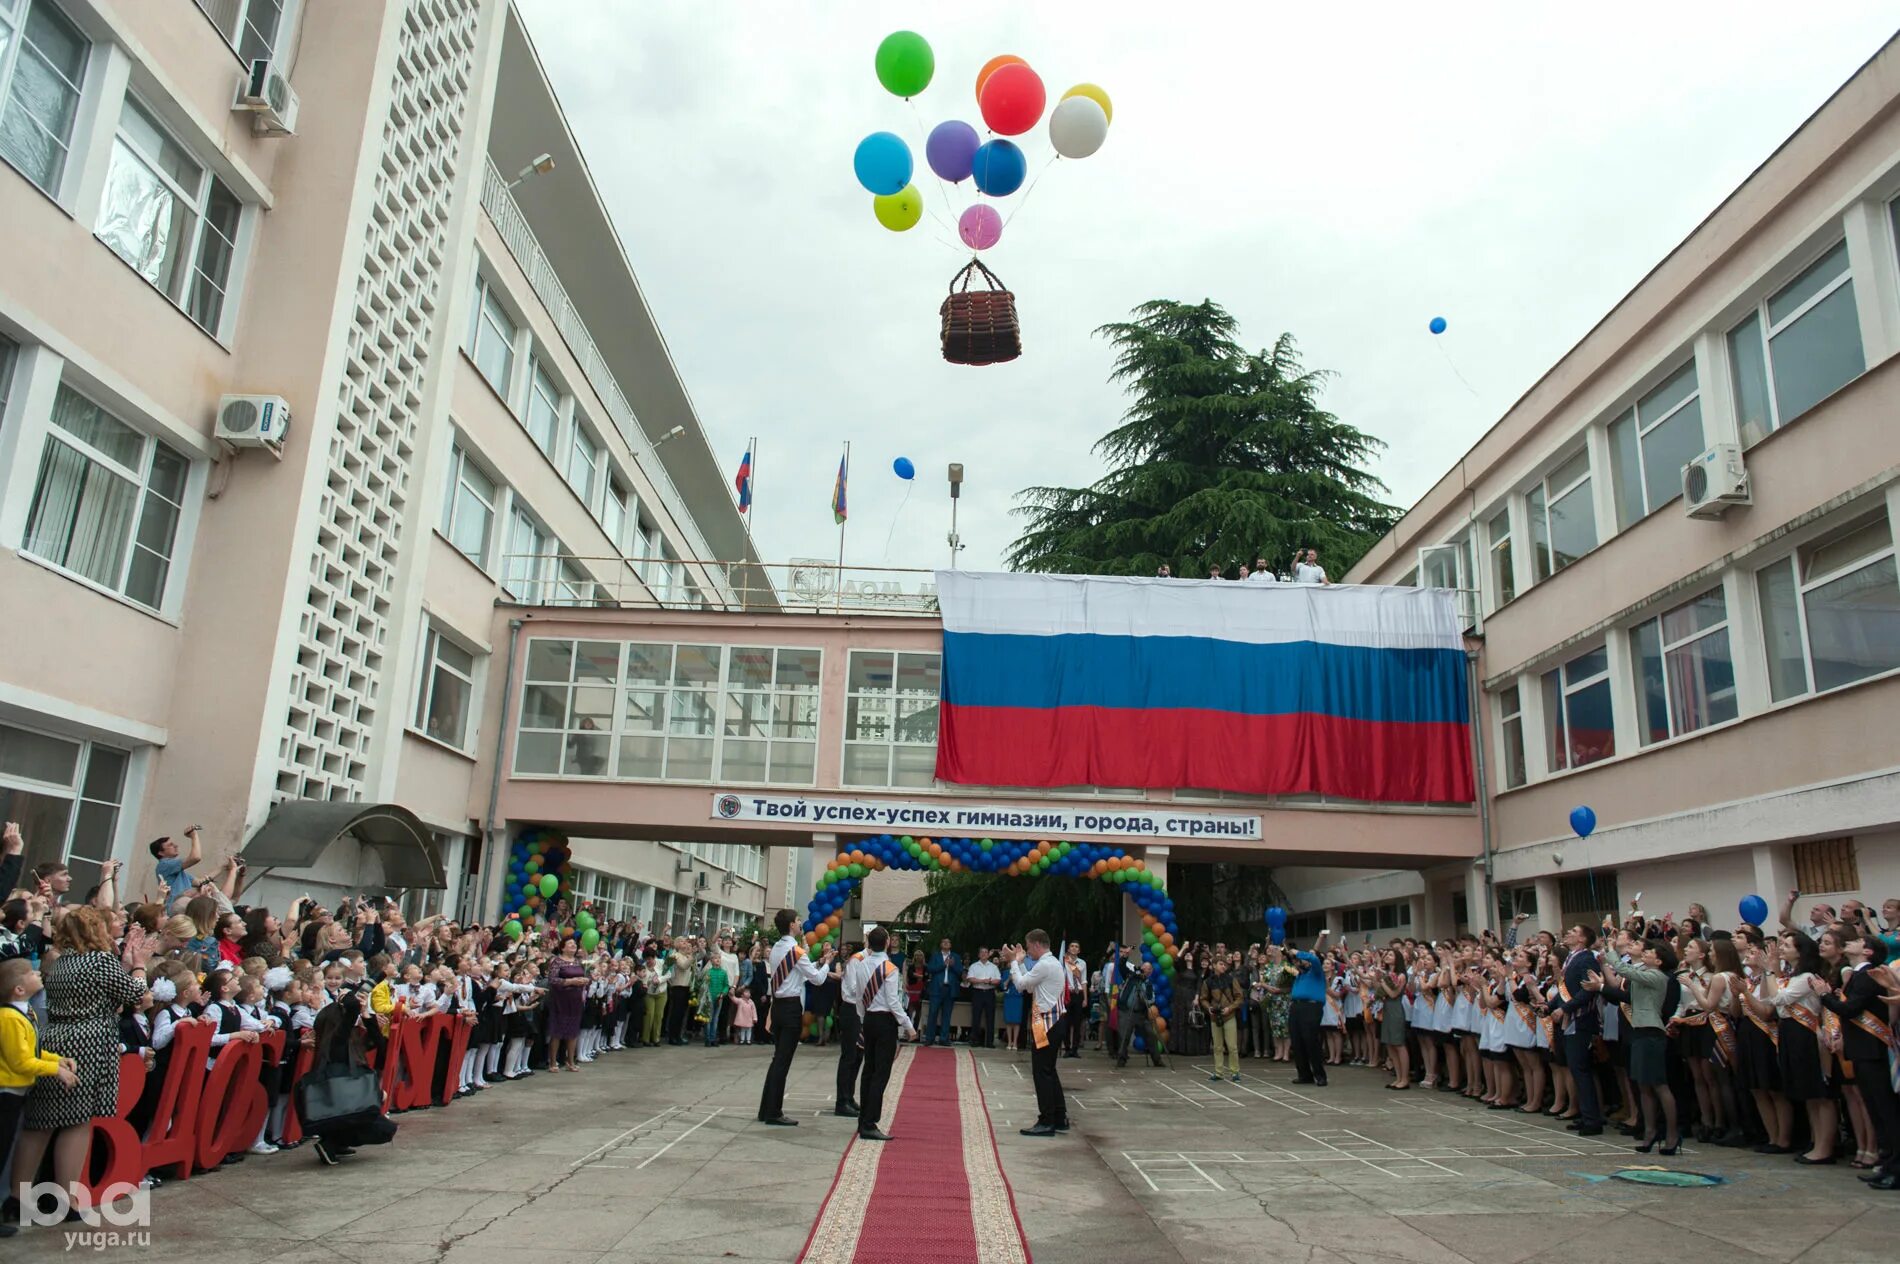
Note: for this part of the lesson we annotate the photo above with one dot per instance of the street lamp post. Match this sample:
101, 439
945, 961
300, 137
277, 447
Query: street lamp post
956, 492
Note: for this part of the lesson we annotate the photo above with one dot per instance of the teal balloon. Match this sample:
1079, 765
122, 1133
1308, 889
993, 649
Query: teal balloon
549, 885
882, 163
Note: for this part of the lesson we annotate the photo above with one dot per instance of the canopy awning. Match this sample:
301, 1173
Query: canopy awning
299, 831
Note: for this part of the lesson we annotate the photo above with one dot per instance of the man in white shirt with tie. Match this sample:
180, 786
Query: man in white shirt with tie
875, 988
1044, 985
789, 969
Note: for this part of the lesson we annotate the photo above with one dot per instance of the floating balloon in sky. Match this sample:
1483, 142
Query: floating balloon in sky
1077, 127
900, 210
1438, 324
882, 163
1583, 820
980, 226
903, 468
1012, 99
905, 63
951, 146
999, 168
993, 65
1094, 94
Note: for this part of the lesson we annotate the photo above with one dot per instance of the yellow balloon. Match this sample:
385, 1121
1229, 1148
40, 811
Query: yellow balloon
900, 210
1094, 94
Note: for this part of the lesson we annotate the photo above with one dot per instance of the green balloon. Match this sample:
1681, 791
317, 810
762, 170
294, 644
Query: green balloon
590, 939
986, 844
1167, 961
858, 871
585, 921
549, 885
905, 63
511, 929
907, 842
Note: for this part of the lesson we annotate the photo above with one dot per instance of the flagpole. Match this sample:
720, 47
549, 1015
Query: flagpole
837, 600
753, 526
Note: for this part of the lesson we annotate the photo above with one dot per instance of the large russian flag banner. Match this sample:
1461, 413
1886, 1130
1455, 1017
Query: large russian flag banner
1068, 680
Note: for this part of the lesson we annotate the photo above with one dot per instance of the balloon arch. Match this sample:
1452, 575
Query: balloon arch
1018, 858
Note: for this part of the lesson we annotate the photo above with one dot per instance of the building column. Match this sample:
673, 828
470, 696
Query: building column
1480, 909
1550, 907
1156, 858
1774, 875
1336, 925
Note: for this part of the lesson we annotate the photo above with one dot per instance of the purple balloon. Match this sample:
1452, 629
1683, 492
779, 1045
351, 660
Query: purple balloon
981, 226
950, 149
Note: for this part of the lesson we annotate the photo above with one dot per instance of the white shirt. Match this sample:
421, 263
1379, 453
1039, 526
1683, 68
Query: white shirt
1042, 982
982, 975
889, 997
801, 973
1263, 577
1307, 573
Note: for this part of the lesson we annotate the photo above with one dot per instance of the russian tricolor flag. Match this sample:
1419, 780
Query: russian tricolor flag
743, 483
1063, 680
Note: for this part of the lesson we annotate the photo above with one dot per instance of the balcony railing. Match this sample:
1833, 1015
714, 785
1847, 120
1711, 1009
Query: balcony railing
796, 587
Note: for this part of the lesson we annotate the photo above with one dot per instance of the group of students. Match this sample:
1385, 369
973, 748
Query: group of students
1303, 569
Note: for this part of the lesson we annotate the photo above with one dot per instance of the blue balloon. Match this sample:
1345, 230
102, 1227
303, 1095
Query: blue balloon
1754, 910
903, 468
882, 163
1276, 916
1438, 324
999, 168
1582, 820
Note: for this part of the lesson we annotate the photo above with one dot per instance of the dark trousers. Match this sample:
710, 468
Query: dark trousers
1309, 1058
788, 1014
880, 1050
1577, 1056
1870, 1074
850, 1052
1261, 1026
1134, 1024
983, 1017
938, 1029
677, 1007
1075, 1022
1050, 1107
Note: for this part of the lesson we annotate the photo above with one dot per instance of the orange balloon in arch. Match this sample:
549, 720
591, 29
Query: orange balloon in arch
1167, 939
993, 65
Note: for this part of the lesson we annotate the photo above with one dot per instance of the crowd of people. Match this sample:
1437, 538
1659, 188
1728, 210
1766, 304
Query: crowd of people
1304, 568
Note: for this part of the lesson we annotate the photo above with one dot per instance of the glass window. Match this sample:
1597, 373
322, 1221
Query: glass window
571, 585
1651, 443
1684, 678
613, 512
1503, 571
1511, 730
544, 409
492, 338
66, 795
1578, 725
108, 501
526, 570
890, 736
168, 216
1831, 612
1563, 518
567, 708
468, 512
446, 700
1800, 346
42, 66
248, 26
583, 462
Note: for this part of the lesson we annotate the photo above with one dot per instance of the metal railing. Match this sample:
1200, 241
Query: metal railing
512, 226
801, 586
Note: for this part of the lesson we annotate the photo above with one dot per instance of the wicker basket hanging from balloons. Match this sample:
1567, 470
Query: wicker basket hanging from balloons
980, 326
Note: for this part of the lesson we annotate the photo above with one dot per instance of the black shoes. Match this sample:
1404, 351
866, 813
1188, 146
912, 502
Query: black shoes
323, 1153
847, 1109
873, 1134
783, 1121
1295, 1080
1040, 1130
1063, 1126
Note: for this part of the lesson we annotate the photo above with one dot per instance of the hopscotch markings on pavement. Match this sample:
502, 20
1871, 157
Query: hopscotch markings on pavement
666, 1132
1220, 1101
1175, 1173
1523, 1134
666, 1114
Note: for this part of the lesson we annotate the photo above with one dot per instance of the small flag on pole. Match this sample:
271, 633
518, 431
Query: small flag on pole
838, 508
744, 482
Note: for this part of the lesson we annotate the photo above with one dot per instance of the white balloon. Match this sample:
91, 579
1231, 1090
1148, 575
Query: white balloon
1077, 127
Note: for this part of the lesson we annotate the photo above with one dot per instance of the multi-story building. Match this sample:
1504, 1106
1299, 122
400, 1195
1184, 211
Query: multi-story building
1717, 675
393, 232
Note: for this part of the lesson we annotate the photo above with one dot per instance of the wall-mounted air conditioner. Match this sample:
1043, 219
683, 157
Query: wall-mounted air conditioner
266, 93
1714, 482
253, 421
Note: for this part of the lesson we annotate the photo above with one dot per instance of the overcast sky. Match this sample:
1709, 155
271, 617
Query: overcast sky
1343, 172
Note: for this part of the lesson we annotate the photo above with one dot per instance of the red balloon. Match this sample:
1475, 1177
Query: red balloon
1012, 99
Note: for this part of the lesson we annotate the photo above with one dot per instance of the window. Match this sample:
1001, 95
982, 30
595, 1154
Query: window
583, 462
1563, 518
1826, 864
1377, 917
1503, 571
1577, 714
491, 339
613, 510
1831, 613
567, 708
571, 585
248, 26
448, 689
526, 567
1586, 897
1684, 679
108, 501
1651, 443
770, 715
9, 354
1511, 736
544, 409
42, 65
1303, 927
1515, 900
468, 513
169, 217
1448, 565
66, 796
890, 719
1800, 346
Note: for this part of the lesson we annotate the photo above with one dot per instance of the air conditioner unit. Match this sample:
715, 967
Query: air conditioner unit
267, 94
253, 421
1714, 481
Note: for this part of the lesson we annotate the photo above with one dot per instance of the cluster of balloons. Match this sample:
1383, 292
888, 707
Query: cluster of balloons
824, 915
538, 880
1276, 925
1011, 98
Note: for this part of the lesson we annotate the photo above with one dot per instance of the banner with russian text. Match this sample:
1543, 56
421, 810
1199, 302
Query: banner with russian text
1065, 680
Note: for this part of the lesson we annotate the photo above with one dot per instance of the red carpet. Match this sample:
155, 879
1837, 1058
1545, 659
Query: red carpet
935, 1193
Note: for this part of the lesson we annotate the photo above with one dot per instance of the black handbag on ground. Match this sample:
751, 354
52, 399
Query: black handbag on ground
346, 1093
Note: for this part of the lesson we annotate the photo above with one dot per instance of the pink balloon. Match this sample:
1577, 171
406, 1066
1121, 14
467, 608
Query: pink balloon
980, 227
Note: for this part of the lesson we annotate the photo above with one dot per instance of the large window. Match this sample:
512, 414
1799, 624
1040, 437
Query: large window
526, 569
1394, 916
583, 462
1577, 716
614, 506
1800, 346
249, 26
686, 712
1651, 443
42, 67
9, 354
65, 795
108, 501
491, 338
168, 216
444, 703
1503, 569
1511, 736
544, 409
1563, 517
1684, 679
890, 721
468, 512
1831, 612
